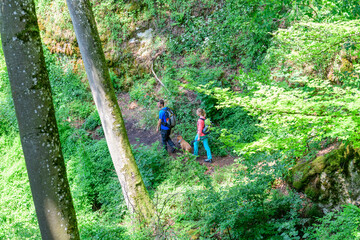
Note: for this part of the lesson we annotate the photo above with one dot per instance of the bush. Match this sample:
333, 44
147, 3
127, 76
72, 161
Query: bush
92, 121
152, 164
341, 224
17, 217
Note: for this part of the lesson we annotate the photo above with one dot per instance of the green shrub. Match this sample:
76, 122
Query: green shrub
116, 82
100, 226
92, 121
17, 217
341, 224
302, 46
71, 96
94, 182
155, 168
151, 163
100, 132
253, 211
186, 170
142, 91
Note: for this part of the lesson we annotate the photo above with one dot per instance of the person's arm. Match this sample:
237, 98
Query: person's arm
159, 121
158, 125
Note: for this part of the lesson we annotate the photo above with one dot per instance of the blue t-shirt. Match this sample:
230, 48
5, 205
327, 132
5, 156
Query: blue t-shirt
162, 117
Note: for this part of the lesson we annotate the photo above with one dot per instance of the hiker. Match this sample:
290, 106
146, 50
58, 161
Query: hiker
200, 136
165, 128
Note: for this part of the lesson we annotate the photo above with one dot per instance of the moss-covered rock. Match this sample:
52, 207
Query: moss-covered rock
330, 180
346, 65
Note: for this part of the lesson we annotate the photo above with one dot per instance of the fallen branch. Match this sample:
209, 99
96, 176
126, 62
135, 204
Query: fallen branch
152, 69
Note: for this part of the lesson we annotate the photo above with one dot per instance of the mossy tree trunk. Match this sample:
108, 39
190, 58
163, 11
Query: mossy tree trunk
35, 113
133, 188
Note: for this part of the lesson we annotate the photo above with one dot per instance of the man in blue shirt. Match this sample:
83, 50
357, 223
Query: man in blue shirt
165, 130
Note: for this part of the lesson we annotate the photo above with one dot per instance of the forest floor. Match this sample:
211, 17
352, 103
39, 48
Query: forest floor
131, 113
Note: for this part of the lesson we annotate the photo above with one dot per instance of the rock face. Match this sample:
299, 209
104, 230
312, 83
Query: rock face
330, 180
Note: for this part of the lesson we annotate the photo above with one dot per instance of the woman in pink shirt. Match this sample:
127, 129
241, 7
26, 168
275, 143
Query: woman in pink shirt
200, 136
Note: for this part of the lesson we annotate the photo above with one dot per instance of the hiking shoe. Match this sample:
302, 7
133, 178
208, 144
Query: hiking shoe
208, 160
174, 150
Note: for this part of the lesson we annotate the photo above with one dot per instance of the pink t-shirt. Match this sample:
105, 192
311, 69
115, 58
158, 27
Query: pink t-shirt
200, 127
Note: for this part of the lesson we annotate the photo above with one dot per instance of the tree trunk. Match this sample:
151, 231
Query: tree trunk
133, 188
35, 113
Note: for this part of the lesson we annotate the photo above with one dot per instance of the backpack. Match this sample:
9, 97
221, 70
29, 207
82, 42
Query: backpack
170, 119
207, 126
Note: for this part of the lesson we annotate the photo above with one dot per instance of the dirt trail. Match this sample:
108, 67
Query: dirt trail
137, 135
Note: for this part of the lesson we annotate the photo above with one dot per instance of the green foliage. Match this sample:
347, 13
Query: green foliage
8, 123
142, 91
292, 117
343, 224
92, 176
117, 83
314, 45
17, 217
56, 20
149, 119
237, 127
92, 121
222, 176
251, 208
116, 24
155, 168
100, 226
151, 165
333, 11
234, 32
185, 170
71, 96
169, 77
180, 11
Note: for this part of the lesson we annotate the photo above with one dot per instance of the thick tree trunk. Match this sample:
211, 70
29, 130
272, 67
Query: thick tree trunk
133, 188
35, 113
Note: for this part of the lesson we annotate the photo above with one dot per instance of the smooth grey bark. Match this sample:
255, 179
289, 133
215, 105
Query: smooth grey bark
35, 113
133, 188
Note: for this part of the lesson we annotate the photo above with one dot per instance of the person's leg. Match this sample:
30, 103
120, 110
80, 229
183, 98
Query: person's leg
196, 146
207, 148
163, 139
170, 142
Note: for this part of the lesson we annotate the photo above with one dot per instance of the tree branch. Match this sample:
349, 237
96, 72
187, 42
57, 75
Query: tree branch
152, 69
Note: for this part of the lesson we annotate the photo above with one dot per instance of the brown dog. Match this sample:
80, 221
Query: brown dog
185, 146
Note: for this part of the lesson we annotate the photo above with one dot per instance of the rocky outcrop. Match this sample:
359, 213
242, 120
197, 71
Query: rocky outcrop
330, 180
344, 63
129, 42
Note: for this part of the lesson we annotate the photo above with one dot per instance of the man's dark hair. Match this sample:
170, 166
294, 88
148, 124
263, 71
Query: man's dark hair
162, 102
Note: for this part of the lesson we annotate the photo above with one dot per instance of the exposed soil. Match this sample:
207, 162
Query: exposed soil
137, 135
328, 149
131, 113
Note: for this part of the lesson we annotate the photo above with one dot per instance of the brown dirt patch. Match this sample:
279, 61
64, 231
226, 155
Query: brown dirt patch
218, 162
138, 135
328, 149
131, 113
